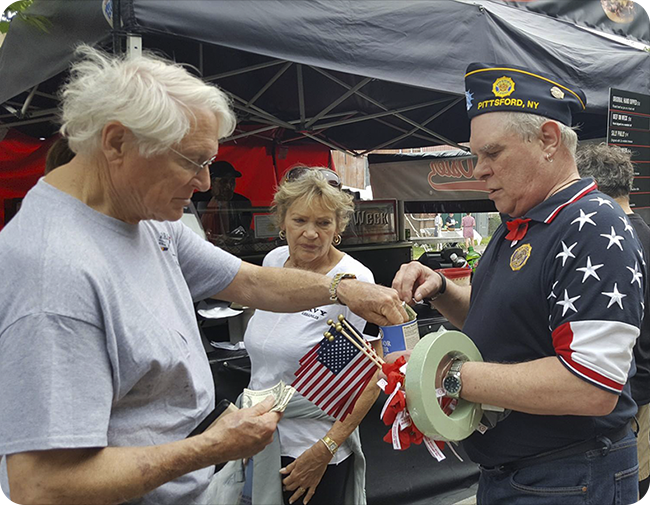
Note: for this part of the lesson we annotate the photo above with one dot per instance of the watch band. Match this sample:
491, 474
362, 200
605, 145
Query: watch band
335, 285
330, 444
441, 291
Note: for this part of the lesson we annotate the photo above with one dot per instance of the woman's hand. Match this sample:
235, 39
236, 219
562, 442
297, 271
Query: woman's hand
305, 473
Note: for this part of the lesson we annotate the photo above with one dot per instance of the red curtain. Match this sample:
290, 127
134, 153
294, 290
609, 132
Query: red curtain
313, 155
260, 176
257, 181
22, 163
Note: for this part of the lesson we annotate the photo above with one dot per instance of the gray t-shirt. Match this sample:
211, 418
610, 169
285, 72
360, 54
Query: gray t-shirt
99, 344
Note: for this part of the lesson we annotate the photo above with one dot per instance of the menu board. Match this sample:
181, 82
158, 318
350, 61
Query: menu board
629, 127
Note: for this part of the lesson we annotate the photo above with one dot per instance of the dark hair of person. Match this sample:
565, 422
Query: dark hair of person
58, 154
610, 166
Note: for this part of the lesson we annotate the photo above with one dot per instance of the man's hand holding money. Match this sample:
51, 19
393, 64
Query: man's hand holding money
241, 434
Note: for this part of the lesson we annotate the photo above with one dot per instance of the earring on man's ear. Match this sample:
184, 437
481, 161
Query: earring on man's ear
337, 239
283, 235
548, 158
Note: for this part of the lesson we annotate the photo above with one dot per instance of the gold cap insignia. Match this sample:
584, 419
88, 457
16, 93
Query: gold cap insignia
503, 86
557, 93
520, 257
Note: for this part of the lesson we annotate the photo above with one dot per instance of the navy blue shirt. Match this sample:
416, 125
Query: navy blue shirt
572, 287
640, 383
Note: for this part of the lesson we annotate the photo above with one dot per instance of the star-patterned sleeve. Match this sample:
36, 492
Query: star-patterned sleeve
595, 292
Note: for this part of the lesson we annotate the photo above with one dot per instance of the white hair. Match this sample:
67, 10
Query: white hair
154, 98
528, 126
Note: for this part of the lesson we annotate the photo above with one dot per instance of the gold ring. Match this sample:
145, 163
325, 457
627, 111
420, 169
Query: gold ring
302, 489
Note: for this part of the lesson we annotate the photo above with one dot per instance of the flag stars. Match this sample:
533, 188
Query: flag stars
589, 270
613, 239
628, 226
552, 295
584, 218
602, 201
615, 297
636, 274
567, 303
566, 253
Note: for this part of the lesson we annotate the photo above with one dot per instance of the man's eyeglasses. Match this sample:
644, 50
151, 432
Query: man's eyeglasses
199, 166
330, 176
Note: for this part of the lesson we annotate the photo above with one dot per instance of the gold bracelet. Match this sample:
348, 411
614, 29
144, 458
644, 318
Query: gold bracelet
335, 285
330, 444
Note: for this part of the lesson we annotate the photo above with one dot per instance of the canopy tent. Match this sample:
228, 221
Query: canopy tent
625, 19
352, 75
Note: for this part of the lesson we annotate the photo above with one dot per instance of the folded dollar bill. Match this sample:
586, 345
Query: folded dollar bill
281, 393
409, 311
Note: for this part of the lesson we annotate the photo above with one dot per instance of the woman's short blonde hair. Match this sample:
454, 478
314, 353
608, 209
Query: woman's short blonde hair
311, 187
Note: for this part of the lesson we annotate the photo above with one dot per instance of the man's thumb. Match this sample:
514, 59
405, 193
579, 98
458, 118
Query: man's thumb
264, 406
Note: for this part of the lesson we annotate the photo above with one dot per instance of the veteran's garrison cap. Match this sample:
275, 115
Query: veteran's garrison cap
498, 88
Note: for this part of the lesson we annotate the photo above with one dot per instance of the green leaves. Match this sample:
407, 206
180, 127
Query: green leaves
17, 9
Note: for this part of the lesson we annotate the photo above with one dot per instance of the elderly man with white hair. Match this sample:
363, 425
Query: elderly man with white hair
102, 369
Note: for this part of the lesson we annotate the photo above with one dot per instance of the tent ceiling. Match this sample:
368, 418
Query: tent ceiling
352, 75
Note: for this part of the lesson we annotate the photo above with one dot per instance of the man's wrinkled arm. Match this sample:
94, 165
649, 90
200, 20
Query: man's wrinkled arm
110, 475
113, 475
293, 290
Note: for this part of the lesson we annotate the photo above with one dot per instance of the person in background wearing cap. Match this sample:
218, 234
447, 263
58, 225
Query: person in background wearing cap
612, 169
228, 212
555, 305
102, 367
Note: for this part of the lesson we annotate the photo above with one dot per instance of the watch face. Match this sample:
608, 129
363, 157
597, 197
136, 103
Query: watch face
451, 385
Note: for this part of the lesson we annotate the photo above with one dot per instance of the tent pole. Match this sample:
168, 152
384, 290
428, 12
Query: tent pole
301, 96
399, 129
269, 84
342, 98
133, 45
28, 101
201, 58
244, 70
117, 26
253, 109
400, 116
397, 139
381, 114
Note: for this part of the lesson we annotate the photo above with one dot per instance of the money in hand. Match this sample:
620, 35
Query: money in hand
281, 393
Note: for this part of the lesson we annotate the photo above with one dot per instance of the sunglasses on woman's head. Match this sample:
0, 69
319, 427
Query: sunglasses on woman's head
330, 176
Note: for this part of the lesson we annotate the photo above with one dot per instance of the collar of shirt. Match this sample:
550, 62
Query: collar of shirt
549, 209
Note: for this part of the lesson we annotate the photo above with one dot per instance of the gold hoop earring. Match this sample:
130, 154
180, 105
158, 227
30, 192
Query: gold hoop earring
337, 239
283, 235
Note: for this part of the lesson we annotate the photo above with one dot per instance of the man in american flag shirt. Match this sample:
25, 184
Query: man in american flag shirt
555, 305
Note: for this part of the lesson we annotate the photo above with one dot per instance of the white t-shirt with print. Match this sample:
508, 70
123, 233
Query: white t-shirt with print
276, 342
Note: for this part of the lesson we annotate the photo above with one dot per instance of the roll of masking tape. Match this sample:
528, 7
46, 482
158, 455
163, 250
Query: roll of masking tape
420, 386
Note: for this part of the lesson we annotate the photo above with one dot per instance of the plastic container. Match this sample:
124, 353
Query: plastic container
458, 261
460, 276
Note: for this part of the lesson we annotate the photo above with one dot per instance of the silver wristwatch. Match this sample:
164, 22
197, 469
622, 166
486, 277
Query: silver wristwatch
452, 382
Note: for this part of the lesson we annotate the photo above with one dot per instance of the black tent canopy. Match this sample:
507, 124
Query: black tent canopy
354, 75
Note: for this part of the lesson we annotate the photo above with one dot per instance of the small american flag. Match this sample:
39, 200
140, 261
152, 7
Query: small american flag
333, 375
